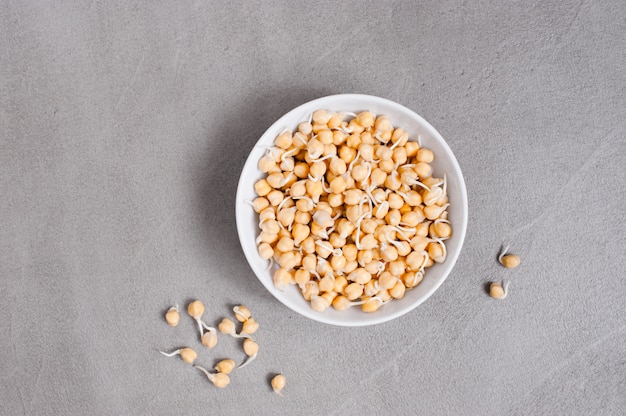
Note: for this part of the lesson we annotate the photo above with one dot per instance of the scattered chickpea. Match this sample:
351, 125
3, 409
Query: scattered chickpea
219, 380
510, 261
250, 326
251, 348
498, 290
242, 313
186, 354
172, 317
225, 366
278, 384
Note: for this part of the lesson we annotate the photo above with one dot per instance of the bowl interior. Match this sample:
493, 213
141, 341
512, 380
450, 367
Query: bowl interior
445, 162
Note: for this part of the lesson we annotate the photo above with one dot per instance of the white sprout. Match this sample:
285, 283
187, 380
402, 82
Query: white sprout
503, 253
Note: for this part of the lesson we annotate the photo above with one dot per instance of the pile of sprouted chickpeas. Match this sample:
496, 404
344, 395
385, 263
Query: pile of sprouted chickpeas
349, 210
208, 337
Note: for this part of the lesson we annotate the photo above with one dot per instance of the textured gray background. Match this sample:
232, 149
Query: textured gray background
123, 131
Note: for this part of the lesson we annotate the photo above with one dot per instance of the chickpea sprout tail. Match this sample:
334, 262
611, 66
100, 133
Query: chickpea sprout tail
349, 210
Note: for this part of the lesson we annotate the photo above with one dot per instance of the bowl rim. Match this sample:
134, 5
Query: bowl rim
450, 261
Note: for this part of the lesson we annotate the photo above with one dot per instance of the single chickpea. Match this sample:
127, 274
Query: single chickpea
434, 211
338, 185
301, 170
172, 317
284, 140
301, 217
436, 252
510, 261
319, 303
498, 291
259, 204
335, 200
309, 263
308, 245
383, 153
425, 155
365, 119
326, 284
225, 366
387, 166
309, 290
416, 259
251, 348
393, 217
186, 354
325, 137
397, 267
399, 155
339, 137
398, 290
382, 124
302, 276
338, 262
346, 153
249, 327
393, 181
262, 188
378, 177
300, 232
209, 338
353, 291
321, 117
423, 170
440, 230
404, 248
389, 253
411, 148
412, 279
278, 384
340, 284
314, 148
265, 251
395, 201
242, 313
335, 120
282, 278
350, 266
219, 380
305, 128
371, 304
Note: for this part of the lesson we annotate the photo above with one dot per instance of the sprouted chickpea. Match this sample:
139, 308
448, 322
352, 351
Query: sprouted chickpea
251, 348
219, 380
499, 290
242, 313
351, 211
278, 384
209, 338
510, 261
186, 354
172, 317
225, 366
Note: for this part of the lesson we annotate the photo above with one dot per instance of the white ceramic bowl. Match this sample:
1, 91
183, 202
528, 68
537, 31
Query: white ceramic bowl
445, 162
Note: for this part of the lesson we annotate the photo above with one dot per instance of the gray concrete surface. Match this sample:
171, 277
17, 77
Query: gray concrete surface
124, 126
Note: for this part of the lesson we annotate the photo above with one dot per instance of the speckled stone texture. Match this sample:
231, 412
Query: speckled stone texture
123, 129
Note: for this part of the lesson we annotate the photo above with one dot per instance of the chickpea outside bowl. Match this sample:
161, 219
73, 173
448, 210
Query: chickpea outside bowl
443, 165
